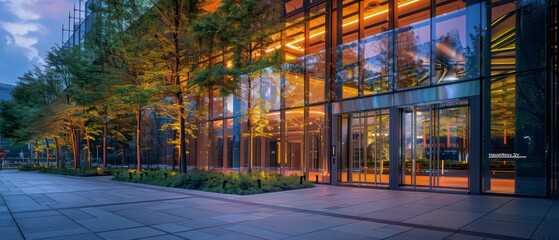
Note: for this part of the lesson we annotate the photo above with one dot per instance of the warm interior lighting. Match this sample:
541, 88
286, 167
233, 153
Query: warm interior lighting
290, 45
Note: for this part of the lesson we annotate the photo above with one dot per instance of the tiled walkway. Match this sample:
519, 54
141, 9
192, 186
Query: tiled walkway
39, 206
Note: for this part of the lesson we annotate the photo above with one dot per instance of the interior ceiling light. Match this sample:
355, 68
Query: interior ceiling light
290, 45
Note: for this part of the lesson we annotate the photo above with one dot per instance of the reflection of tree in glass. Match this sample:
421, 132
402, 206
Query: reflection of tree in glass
376, 68
294, 84
408, 62
472, 54
348, 68
317, 74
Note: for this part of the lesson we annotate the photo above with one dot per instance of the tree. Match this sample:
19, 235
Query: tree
132, 60
168, 29
249, 30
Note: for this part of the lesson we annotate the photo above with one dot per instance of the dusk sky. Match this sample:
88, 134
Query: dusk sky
28, 28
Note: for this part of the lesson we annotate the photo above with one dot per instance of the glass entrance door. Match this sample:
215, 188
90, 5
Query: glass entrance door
435, 145
365, 148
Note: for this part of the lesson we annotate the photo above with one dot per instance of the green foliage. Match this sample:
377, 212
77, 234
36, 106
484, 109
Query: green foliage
86, 172
29, 168
213, 181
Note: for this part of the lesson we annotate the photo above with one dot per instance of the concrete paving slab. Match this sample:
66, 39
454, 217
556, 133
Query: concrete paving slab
421, 234
171, 227
445, 218
83, 236
330, 235
10, 232
165, 237
131, 233
506, 228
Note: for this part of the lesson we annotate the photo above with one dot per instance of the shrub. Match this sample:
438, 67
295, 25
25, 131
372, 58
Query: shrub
86, 172
213, 181
29, 168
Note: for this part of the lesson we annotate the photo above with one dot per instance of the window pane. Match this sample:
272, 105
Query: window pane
216, 137
230, 141
347, 79
516, 157
531, 35
413, 44
293, 5
266, 142
348, 54
376, 48
267, 88
457, 38
316, 59
317, 160
294, 89
217, 104
295, 125
503, 42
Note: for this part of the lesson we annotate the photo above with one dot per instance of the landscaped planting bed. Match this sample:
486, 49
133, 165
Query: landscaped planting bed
215, 181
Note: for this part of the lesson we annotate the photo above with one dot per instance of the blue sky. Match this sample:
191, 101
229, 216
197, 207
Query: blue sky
28, 28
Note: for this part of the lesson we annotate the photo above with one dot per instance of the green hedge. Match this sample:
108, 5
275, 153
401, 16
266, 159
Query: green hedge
213, 181
86, 172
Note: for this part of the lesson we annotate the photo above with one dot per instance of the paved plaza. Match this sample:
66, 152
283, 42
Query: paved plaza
44, 206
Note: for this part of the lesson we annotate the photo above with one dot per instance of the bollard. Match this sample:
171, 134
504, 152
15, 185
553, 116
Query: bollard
224, 183
316, 178
259, 183
129, 175
165, 175
301, 179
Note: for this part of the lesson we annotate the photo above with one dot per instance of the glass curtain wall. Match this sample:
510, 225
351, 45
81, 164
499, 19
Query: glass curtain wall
423, 45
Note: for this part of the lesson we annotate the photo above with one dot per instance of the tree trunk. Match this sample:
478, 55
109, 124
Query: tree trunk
105, 131
57, 151
47, 149
211, 153
37, 155
123, 157
182, 135
76, 147
139, 139
88, 151
249, 125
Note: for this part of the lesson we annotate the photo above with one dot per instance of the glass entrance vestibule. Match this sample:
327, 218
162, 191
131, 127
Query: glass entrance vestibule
428, 145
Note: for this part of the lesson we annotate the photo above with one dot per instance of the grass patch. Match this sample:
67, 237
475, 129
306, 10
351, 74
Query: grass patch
215, 181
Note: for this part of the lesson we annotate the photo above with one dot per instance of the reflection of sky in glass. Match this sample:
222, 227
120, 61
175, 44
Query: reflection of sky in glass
452, 22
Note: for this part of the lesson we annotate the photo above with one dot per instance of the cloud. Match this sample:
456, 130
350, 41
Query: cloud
25, 30
49, 8
18, 8
22, 35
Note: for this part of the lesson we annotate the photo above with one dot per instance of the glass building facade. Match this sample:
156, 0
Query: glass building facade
452, 95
